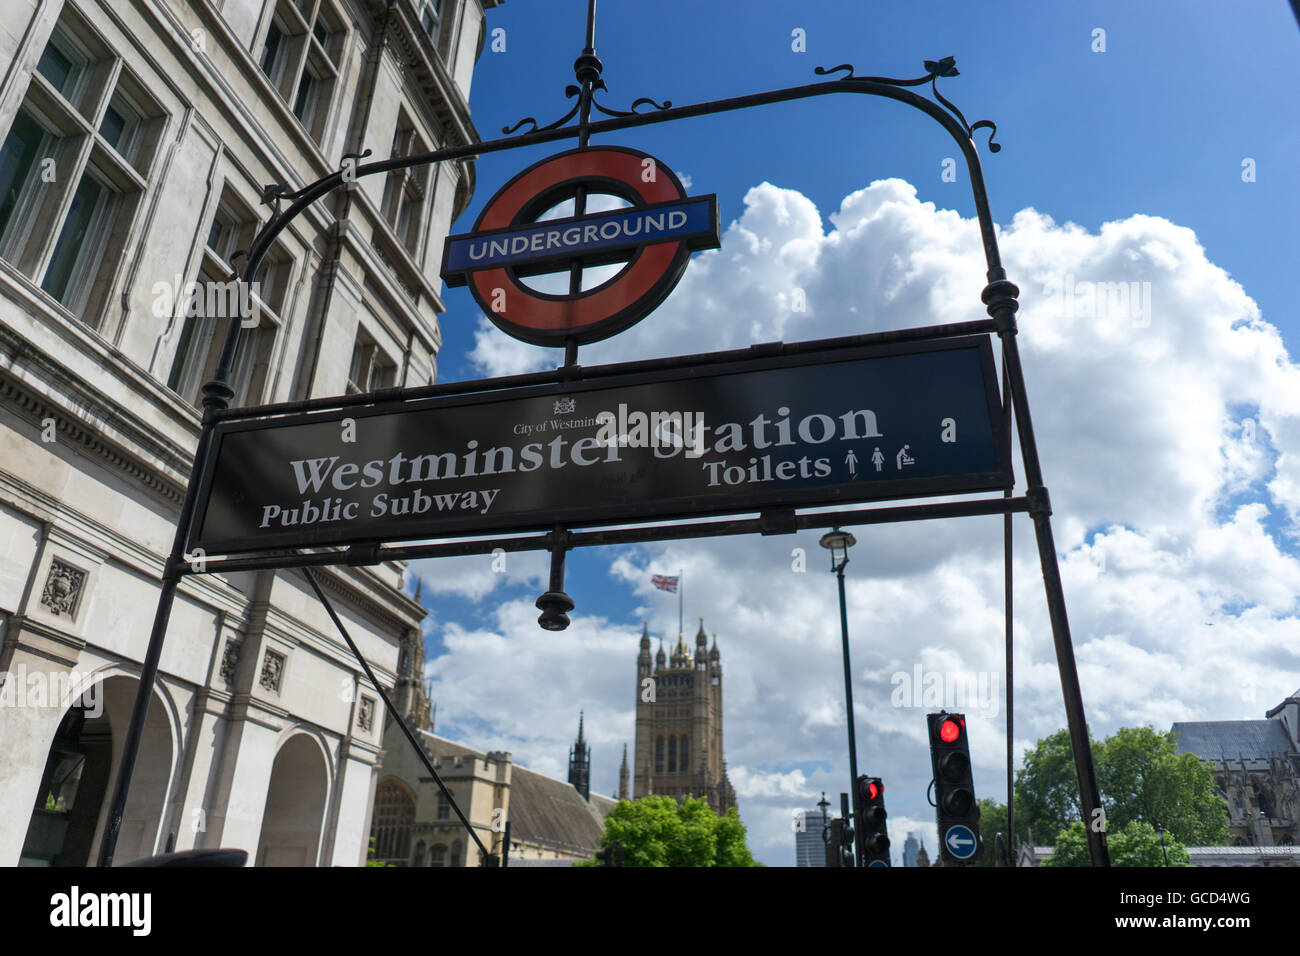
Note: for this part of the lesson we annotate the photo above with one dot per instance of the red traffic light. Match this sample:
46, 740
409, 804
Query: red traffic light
874, 789
949, 731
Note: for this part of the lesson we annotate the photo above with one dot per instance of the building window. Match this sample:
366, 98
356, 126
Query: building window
444, 807
419, 854
72, 168
457, 853
300, 56
431, 20
370, 369
394, 815
217, 301
438, 856
273, 49
406, 189
685, 753
672, 754
659, 755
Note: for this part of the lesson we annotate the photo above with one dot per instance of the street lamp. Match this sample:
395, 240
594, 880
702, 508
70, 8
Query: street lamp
838, 542
1161, 831
822, 804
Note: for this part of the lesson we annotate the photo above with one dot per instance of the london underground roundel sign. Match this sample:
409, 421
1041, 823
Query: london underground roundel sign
654, 236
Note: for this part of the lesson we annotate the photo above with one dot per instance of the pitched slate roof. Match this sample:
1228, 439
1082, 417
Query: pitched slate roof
551, 813
1217, 739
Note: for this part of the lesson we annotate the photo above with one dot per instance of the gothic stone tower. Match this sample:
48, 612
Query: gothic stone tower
580, 764
679, 723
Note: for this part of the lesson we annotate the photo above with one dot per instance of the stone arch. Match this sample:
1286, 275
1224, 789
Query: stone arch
293, 817
71, 807
393, 819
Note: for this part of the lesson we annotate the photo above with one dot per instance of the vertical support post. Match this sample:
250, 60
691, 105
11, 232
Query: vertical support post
1007, 583
848, 699
217, 395
1000, 298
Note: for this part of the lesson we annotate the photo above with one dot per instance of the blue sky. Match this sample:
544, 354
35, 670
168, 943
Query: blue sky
1149, 136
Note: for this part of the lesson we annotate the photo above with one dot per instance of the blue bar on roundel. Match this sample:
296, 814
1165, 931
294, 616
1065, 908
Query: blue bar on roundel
691, 220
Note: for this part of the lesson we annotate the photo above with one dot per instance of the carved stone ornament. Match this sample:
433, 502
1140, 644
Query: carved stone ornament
229, 658
63, 588
272, 671
366, 714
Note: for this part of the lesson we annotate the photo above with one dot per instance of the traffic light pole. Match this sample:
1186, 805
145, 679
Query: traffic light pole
848, 701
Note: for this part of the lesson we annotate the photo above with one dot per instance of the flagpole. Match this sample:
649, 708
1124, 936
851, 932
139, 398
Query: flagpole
681, 596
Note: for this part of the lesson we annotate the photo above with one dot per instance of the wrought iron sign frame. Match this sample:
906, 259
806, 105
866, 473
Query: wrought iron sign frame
999, 297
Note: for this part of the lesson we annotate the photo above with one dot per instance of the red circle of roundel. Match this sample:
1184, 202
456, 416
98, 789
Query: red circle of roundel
610, 307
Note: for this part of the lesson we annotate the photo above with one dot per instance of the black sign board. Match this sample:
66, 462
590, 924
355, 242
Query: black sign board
808, 427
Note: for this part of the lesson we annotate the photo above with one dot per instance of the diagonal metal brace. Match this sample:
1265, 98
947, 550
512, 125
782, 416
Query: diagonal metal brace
401, 721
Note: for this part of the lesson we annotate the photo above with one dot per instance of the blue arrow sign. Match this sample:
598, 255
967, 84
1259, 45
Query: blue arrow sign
960, 841
877, 863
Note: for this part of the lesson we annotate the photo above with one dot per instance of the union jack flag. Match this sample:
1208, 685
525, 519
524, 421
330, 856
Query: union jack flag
665, 583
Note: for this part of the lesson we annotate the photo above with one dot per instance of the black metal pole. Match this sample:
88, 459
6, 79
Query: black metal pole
216, 395
848, 698
395, 713
1007, 583
1000, 297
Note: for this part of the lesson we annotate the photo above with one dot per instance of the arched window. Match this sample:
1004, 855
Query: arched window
685, 754
672, 754
1263, 801
438, 856
394, 814
419, 854
457, 853
659, 755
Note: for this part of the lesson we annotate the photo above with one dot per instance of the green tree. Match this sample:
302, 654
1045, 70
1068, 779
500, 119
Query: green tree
1134, 844
659, 831
1142, 779
731, 849
1047, 790
370, 856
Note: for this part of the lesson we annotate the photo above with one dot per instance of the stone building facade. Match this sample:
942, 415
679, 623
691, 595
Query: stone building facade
137, 137
551, 822
679, 723
1256, 766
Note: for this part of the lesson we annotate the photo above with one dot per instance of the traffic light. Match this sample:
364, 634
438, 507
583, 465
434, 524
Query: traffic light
839, 837
839, 850
871, 811
954, 791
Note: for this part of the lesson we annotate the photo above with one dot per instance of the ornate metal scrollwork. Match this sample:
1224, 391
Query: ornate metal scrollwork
933, 70
666, 105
